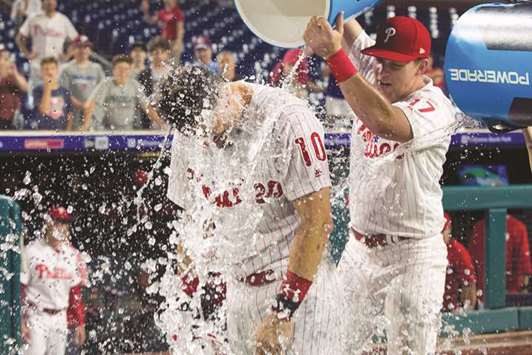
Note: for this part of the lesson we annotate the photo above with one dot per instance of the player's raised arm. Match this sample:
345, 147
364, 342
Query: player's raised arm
371, 106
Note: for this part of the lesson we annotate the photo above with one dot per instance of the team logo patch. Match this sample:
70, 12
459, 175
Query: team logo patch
389, 32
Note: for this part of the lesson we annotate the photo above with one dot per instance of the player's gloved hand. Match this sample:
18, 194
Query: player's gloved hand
274, 336
81, 336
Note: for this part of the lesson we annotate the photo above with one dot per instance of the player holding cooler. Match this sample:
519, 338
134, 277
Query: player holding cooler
271, 226
394, 264
53, 273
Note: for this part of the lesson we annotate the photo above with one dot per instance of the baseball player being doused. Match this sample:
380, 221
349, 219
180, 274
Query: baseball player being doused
253, 157
53, 272
395, 260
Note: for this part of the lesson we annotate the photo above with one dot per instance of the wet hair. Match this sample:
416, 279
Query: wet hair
121, 59
185, 93
159, 43
49, 60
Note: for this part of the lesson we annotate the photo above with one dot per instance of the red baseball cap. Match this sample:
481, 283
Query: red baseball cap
60, 214
401, 39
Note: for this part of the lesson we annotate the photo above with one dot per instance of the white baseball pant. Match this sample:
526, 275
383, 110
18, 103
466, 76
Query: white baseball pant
397, 289
316, 322
48, 333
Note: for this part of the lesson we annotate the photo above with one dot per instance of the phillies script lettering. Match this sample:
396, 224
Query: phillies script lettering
47, 32
375, 145
231, 198
57, 273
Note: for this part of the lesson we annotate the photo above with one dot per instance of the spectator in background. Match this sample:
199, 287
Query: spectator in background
172, 21
150, 77
119, 98
227, 65
159, 54
138, 56
301, 83
23, 9
460, 282
12, 86
53, 109
48, 31
518, 268
80, 77
203, 53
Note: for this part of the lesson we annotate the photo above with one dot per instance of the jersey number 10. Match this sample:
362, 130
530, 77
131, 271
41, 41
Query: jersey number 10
317, 145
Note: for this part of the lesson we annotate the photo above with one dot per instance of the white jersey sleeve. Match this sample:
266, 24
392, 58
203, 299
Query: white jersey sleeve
365, 64
70, 30
306, 168
430, 114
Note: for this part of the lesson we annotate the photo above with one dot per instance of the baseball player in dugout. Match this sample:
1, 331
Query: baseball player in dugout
461, 280
53, 273
273, 223
395, 261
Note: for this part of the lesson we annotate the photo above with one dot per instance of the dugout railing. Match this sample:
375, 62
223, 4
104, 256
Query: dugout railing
495, 201
10, 236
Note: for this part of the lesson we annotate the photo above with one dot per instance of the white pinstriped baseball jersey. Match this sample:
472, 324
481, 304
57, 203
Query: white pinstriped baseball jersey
394, 188
49, 274
275, 157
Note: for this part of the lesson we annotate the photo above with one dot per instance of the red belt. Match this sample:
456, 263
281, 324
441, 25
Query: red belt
45, 310
377, 240
259, 278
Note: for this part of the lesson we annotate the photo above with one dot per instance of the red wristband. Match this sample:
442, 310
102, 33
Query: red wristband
341, 66
292, 293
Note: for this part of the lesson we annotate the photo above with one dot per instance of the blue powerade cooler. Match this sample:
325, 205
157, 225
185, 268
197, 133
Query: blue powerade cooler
488, 64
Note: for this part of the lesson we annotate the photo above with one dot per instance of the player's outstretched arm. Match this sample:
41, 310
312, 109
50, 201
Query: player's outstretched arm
377, 112
275, 332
